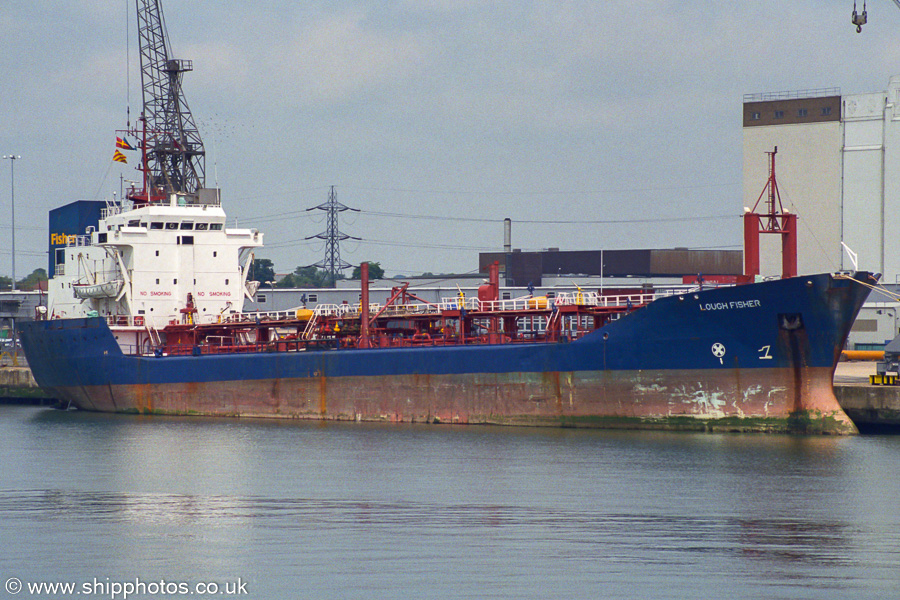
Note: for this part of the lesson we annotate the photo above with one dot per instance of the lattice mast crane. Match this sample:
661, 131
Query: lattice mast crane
332, 263
174, 160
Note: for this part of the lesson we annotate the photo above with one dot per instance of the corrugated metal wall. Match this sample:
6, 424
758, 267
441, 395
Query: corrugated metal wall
525, 267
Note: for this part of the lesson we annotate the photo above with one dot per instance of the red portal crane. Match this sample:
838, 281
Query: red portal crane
775, 220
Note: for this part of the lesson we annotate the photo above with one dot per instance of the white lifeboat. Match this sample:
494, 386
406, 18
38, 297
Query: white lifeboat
106, 289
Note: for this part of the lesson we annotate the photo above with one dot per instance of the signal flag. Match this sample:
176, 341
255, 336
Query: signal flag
119, 157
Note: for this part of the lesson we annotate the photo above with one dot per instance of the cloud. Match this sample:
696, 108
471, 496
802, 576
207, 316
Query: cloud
333, 58
486, 97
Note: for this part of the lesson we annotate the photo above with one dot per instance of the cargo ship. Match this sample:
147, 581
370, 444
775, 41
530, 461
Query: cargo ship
757, 357
145, 315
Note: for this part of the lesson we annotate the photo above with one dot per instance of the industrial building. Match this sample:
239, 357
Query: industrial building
530, 268
838, 169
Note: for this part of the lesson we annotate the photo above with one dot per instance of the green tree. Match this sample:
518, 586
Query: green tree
262, 270
375, 271
305, 277
33, 280
5, 282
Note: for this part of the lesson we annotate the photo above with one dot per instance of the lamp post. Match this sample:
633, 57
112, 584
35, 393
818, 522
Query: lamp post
12, 193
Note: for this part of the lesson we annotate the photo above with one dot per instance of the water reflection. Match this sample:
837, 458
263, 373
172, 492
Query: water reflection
426, 511
765, 540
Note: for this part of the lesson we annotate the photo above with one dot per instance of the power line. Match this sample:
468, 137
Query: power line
544, 192
375, 213
24, 253
20, 228
552, 221
422, 245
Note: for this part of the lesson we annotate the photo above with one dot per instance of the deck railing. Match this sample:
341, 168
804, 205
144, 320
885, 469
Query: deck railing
471, 304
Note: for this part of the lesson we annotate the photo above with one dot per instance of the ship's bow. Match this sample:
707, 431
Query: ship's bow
814, 341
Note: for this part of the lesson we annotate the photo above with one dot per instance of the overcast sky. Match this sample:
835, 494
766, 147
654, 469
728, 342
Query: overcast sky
590, 124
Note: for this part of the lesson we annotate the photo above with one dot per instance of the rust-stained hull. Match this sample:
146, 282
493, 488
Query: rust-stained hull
690, 400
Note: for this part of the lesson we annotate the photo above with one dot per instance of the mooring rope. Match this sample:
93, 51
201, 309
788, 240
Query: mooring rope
877, 287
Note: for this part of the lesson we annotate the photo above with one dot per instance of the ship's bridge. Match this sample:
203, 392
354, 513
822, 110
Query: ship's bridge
205, 197
163, 217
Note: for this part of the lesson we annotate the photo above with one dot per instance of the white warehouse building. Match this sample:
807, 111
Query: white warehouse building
838, 169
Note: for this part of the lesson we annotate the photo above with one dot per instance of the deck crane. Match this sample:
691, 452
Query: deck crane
174, 160
859, 19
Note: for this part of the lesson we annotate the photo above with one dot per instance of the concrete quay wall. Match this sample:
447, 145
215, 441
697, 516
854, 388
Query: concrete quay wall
18, 383
870, 406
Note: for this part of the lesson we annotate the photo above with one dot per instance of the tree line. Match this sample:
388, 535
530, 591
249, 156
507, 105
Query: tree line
30, 282
263, 271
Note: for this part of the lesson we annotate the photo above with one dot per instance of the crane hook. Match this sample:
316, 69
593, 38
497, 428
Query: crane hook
858, 19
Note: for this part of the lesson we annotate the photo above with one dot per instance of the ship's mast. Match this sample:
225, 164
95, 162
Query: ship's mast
776, 220
174, 158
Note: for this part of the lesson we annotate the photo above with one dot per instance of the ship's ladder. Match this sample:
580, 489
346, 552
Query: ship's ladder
554, 322
242, 339
310, 325
153, 333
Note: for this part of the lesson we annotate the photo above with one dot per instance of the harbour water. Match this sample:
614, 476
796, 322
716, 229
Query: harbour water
269, 509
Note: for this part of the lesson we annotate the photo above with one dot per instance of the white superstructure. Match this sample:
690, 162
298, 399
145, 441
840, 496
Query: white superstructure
149, 264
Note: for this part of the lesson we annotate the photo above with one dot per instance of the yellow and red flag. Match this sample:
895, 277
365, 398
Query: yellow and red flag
123, 143
119, 157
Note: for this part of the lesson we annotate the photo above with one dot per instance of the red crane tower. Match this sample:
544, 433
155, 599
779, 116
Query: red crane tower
775, 220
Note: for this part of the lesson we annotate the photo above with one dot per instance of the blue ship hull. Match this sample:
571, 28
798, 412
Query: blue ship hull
752, 357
